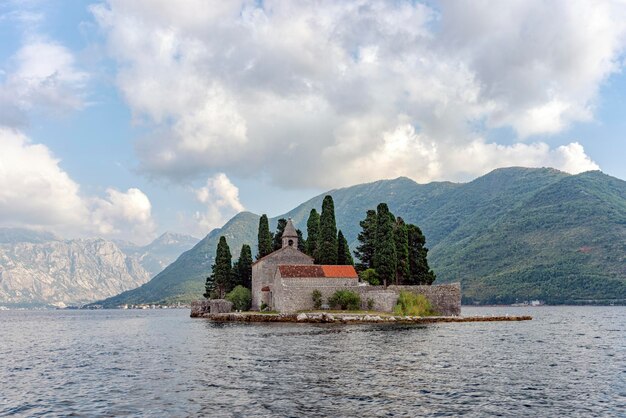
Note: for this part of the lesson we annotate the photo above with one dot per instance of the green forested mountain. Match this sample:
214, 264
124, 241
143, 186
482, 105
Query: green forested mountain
513, 234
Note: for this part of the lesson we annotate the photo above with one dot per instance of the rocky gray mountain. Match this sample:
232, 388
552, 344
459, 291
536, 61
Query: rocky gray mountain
157, 255
40, 269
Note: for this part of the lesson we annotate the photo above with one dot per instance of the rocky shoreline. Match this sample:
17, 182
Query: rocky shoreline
351, 318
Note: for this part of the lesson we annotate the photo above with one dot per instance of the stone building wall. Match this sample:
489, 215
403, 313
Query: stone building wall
295, 294
445, 298
213, 306
292, 295
264, 270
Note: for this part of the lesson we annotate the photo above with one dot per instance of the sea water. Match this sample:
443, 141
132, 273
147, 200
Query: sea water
568, 361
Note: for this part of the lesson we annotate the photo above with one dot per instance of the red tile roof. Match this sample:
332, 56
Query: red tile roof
303, 270
265, 289
340, 271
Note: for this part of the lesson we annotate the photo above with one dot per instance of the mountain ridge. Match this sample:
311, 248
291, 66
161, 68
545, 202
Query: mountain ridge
463, 223
38, 268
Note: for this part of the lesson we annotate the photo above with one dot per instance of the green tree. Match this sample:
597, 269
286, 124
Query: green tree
401, 242
385, 256
327, 241
343, 251
419, 271
241, 297
209, 286
277, 243
222, 274
367, 238
244, 267
264, 237
313, 232
370, 276
301, 241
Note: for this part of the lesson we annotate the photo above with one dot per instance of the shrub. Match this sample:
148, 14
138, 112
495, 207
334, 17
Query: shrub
370, 304
263, 306
241, 297
317, 299
410, 304
345, 300
370, 276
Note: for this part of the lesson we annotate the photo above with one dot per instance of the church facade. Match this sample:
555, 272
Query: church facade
276, 276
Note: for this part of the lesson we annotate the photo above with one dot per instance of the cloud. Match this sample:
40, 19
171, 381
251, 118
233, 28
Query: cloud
221, 200
123, 213
42, 75
36, 192
326, 94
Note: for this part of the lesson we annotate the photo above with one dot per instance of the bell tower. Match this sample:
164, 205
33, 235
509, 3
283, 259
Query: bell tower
290, 235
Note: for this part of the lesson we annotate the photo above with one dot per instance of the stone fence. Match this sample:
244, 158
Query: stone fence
212, 306
445, 298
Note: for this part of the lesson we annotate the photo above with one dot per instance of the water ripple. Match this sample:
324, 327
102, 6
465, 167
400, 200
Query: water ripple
569, 361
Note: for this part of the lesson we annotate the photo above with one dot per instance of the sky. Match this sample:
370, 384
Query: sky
126, 119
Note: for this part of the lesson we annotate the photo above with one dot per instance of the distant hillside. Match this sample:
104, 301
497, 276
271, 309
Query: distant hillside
513, 234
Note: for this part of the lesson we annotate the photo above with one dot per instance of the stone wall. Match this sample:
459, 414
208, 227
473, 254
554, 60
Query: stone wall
292, 295
383, 299
263, 271
212, 306
199, 307
445, 298
295, 294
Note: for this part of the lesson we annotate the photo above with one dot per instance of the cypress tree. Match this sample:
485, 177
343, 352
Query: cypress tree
277, 243
265, 237
401, 241
385, 255
235, 276
419, 271
244, 266
222, 273
301, 241
312, 231
343, 251
327, 240
209, 286
367, 237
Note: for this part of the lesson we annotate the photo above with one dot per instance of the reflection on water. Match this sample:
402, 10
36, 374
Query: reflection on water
568, 361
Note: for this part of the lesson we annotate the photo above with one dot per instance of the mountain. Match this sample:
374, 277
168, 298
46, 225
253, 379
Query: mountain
157, 255
512, 234
39, 271
183, 280
39, 268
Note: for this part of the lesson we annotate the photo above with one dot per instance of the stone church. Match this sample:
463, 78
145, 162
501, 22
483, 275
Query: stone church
285, 279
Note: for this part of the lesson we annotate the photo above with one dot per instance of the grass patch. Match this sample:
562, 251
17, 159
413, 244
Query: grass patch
410, 304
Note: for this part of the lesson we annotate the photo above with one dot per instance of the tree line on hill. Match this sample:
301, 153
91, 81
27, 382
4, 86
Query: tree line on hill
389, 251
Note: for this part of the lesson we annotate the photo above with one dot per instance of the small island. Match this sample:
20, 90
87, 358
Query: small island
316, 281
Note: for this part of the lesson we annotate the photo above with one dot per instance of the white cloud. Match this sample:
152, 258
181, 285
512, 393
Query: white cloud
332, 93
41, 75
36, 192
124, 213
221, 199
